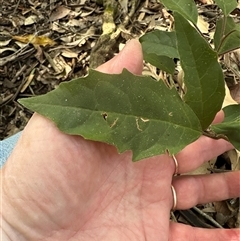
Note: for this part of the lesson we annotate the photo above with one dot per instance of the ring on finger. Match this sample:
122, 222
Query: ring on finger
176, 164
174, 197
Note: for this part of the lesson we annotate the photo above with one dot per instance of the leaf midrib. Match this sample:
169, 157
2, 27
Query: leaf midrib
130, 115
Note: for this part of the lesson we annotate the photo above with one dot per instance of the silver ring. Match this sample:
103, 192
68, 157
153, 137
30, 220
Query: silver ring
174, 198
176, 164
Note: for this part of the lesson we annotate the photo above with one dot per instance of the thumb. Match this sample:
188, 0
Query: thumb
130, 57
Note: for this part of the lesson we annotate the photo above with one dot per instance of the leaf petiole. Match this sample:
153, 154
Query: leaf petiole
213, 135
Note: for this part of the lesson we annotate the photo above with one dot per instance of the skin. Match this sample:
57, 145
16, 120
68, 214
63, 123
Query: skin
61, 187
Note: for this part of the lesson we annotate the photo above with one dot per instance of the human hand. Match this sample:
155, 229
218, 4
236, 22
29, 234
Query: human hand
62, 187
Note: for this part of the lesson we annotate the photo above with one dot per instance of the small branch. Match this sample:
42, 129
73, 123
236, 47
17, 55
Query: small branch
222, 33
213, 135
223, 41
215, 223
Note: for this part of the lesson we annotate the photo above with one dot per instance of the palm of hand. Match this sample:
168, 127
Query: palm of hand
90, 191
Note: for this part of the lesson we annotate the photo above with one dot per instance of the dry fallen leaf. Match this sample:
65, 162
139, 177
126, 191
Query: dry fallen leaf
228, 98
30, 20
35, 40
202, 25
69, 54
59, 13
206, 1
234, 156
235, 92
223, 214
4, 42
124, 5
2, 50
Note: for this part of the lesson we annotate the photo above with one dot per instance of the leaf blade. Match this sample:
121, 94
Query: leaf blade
227, 6
229, 32
200, 65
131, 112
161, 43
186, 8
230, 127
162, 62
159, 49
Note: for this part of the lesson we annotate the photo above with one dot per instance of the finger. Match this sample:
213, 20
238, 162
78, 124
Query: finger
130, 57
199, 189
200, 151
179, 232
219, 117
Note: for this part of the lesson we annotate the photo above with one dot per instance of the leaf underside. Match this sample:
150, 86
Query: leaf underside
130, 112
202, 73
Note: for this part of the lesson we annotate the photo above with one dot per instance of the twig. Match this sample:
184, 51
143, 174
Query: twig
13, 96
206, 216
7, 100
211, 134
193, 219
173, 217
18, 53
16, 7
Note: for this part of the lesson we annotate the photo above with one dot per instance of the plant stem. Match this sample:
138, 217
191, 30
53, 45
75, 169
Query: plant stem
222, 33
213, 135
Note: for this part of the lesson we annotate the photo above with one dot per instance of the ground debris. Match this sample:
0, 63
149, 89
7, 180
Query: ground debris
45, 43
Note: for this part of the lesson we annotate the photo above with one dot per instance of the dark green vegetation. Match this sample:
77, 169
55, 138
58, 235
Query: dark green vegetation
143, 115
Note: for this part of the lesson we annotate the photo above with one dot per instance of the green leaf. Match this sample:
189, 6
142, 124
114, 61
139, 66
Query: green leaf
227, 6
227, 35
161, 43
162, 62
131, 112
159, 49
230, 127
202, 73
186, 8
